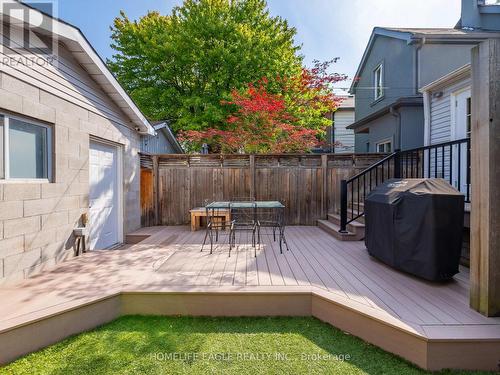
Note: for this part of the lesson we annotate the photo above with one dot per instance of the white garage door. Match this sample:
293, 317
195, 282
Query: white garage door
103, 196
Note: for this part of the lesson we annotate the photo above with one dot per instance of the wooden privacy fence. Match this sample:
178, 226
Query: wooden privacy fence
308, 184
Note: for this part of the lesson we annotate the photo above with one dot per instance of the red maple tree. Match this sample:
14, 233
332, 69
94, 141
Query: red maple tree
283, 116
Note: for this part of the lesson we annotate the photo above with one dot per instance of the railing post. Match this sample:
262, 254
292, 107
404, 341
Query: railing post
343, 206
397, 164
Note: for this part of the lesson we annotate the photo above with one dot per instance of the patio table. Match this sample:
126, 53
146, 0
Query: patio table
249, 204
256, 205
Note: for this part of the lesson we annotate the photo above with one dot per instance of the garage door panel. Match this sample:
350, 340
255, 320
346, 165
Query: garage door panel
103, 196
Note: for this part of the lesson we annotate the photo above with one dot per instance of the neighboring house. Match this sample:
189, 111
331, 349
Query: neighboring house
164, 142
70, 138
396, 64
448, 115
339, 138
448, 98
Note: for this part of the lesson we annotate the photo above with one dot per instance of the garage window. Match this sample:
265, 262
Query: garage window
25, 149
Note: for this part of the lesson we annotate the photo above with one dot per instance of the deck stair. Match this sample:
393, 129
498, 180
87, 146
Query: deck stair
355, 229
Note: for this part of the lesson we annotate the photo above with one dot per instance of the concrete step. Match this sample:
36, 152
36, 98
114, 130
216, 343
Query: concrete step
355, 226
333, 229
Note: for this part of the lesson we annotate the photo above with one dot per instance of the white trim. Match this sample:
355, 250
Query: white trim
384, 142
427, 118
453, 106
89, 60
403, 35
376, 82
456, 75
121, 196
120, 199
6, 149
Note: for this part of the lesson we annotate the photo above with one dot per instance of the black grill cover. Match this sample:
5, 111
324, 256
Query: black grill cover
415, 225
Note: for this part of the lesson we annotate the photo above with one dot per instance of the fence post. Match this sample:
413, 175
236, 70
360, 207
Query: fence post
397, 164
155, 190
324, 197
343, 206
252, 177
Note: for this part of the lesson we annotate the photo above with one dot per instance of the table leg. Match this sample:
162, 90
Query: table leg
193, 222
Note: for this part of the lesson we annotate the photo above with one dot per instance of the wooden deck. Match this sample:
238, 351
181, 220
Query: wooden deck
350, 289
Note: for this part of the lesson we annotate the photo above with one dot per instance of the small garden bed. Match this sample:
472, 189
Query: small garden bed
187, 345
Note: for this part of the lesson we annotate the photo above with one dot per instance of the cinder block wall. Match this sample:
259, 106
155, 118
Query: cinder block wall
37, 219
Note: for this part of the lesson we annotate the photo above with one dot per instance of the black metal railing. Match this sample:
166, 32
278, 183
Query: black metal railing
448, 160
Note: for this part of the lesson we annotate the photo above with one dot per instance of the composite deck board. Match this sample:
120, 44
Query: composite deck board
406, 288
434, 292
252, 278
171, 257
380, 276
344, 270
311, 274
375, 279
343, 279
331, 283
384, 298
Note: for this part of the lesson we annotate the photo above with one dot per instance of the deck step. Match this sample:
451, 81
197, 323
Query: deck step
333, 229
356, 227
132, 239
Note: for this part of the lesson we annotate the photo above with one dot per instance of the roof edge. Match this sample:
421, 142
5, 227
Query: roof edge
407, 101
461, 72
71, 32
377, 31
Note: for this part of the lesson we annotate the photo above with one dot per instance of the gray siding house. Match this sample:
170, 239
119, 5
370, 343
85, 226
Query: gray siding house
448, 98
69, 143
163, 142
343, 138
396, 64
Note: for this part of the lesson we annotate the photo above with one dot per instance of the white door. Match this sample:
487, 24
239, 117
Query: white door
103, 196
461, 128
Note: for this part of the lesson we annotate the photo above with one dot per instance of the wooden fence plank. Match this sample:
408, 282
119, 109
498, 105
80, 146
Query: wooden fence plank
306, 184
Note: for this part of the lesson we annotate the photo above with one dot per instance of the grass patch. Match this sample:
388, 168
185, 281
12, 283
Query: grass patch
189, 345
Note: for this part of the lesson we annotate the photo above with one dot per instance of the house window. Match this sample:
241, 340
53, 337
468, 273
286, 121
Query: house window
25, 149
378, 78
488, 2
384, 147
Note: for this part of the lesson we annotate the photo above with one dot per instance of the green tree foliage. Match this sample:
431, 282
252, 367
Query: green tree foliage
181, 67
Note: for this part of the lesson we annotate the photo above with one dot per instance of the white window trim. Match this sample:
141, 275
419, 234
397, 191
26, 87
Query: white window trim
453, 100
384, 142
375, 82
6, 154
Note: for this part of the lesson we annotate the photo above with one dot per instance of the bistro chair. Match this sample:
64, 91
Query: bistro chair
272, 218
215, 223
243, 218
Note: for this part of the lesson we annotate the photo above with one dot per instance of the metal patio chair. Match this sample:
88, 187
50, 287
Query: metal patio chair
272, 218
243, 218
215, 223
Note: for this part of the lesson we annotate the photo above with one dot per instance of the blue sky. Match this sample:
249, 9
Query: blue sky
326, 28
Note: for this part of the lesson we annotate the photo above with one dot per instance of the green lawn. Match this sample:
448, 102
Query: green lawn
185, 345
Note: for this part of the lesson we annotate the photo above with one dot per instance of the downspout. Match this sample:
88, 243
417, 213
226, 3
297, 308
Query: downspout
420, 44
394, 112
